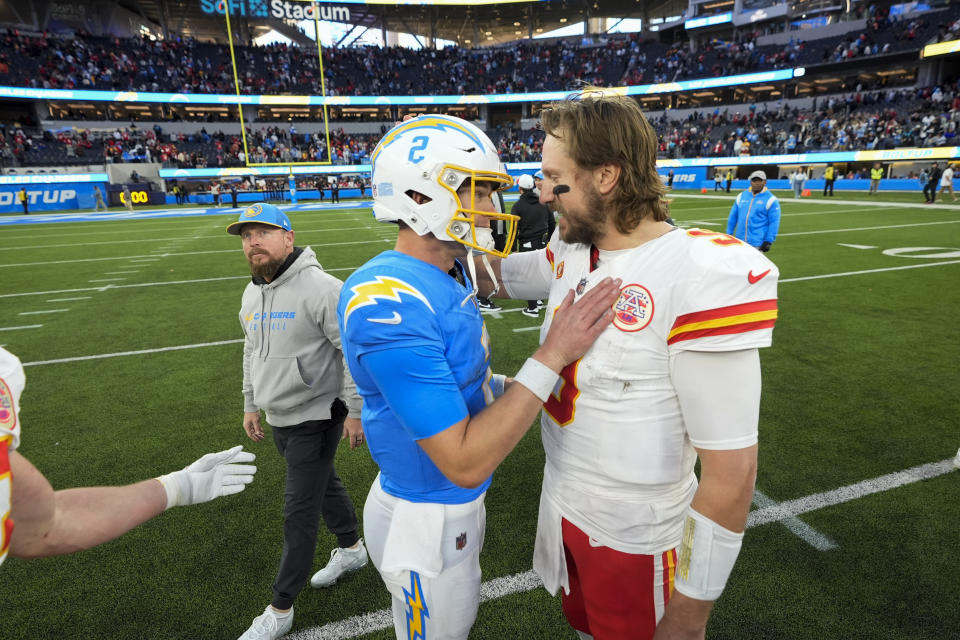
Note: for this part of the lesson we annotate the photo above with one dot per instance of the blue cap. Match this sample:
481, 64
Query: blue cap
261, 213
539, 174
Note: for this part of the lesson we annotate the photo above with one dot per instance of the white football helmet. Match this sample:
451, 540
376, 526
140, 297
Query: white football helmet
433, 155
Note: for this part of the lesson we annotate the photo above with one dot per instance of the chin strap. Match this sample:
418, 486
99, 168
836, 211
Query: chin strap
472, 268
496, 285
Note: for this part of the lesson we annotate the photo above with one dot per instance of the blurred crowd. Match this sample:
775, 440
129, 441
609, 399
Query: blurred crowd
862, 120
25, 146
185, 65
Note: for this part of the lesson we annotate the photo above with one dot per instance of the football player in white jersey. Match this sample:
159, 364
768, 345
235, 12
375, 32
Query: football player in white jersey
36, 521
639, 546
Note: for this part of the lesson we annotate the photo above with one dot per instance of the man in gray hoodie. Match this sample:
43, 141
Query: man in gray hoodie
293, 369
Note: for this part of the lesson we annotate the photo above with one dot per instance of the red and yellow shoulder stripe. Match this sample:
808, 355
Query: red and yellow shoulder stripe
738, 318
549, 254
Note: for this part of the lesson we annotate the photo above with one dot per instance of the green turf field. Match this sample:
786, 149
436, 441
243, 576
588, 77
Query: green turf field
857, 385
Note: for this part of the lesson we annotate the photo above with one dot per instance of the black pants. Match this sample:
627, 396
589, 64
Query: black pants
312, 489
531, 244
828, 186
728, 185
930, 191
25, 209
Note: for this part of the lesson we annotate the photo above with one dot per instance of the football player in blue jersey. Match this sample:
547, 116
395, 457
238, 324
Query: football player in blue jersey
437, 421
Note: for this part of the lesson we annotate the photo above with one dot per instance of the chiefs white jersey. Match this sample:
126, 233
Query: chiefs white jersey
11, 386
619, 458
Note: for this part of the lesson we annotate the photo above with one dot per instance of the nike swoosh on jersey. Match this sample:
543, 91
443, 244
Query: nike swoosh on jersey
754, 279
395, 319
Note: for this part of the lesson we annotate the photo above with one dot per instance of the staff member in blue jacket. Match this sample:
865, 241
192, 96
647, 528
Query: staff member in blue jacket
755, 214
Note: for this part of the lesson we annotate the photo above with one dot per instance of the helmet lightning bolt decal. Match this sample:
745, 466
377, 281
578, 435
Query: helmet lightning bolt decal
417, 611
366, 293
440, 123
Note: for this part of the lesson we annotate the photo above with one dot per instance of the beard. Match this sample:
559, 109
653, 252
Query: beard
264, 268
585, 228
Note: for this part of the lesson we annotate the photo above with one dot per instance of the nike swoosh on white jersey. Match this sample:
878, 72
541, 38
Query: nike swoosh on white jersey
396, 319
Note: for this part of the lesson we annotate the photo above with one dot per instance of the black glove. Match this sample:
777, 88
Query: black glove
765, 247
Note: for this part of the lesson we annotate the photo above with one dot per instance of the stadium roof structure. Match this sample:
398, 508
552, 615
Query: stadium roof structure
467, 23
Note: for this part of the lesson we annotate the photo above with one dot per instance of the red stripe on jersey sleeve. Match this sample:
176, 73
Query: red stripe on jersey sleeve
721, 331
723, 312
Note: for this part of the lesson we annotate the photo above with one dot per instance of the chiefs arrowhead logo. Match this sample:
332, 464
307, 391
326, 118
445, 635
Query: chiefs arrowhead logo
754, 279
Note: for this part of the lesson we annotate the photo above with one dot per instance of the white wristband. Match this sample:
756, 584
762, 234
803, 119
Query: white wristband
706, 557
497, 383
538, 378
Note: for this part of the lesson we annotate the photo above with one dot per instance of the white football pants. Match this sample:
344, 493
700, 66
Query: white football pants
434, 578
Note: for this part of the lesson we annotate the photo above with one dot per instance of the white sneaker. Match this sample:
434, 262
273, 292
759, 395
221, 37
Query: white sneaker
267, 626
341, 561
533, 313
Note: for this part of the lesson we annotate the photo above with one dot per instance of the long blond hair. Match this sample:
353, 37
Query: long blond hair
599, 128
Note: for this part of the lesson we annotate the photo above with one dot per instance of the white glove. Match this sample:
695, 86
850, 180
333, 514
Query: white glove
210, 477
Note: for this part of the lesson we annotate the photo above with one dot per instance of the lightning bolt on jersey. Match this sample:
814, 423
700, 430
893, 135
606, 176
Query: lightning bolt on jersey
420, 357
613, 430
12, 381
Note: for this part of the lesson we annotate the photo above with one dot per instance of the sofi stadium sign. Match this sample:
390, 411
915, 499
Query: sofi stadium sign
279, 9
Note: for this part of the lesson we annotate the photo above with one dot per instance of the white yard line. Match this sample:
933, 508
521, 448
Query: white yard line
70, 299
145, 284
37, 313
351, 269
800, 528
356, 626
150, 258
175, 240
793, 508
891, 226
140, 352
26, 326
865, 271
107, 280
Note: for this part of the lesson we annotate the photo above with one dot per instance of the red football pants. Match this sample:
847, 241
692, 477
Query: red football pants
614, 595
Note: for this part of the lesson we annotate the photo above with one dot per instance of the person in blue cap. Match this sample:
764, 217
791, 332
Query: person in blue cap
293, 370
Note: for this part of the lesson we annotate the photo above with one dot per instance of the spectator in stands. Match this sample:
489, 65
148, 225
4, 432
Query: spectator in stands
755, 214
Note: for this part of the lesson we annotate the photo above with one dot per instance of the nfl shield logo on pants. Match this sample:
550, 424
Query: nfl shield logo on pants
461, 541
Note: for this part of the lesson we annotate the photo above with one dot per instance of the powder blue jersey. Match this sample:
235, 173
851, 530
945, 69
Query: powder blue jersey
420, 357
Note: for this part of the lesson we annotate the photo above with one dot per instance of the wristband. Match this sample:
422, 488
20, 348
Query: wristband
538, 378
497, 383
706, 557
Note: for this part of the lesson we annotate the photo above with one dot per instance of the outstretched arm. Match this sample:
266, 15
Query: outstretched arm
49, 522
